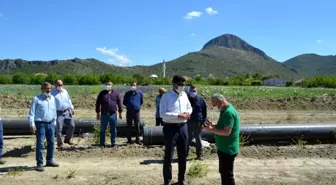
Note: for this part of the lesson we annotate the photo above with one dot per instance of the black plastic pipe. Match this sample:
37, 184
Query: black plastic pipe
21, 127
256, 133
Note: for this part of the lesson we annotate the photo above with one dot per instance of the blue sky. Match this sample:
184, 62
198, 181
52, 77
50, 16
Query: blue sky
135, 32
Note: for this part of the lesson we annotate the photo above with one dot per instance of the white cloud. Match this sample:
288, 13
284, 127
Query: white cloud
319, 41
193, 14
193, 34
117, 59
211, 11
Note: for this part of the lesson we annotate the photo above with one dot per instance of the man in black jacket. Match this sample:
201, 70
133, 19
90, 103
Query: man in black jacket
197, 118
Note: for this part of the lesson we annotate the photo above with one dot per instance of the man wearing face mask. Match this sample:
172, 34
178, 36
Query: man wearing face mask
197, 119
42, 120
65, 110
175, 110
108, 103
227, 133
159, 121
133, 101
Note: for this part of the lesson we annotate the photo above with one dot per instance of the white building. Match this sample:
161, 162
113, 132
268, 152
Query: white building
274, 82
154, 76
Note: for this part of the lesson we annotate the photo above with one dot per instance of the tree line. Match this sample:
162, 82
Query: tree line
95, 79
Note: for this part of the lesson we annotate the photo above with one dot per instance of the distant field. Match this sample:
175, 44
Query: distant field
232, 91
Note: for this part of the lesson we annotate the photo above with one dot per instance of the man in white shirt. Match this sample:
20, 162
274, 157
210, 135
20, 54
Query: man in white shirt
175, 110
65, 110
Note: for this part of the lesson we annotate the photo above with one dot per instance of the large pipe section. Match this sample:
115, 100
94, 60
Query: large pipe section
21, 127
256, 133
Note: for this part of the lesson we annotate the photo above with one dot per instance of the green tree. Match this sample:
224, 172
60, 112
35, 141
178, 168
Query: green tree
5, 80
20, 78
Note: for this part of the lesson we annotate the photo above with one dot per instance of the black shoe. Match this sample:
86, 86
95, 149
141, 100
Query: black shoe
39, 168
180, 183
2, 162
129, 142
52, 164
69, 143
200, 158
113, 145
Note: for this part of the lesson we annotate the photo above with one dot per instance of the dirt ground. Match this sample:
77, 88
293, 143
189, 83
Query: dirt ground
327, 102
86, 163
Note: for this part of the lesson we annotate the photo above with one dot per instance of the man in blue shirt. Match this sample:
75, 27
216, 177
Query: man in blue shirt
1, 143
65, 110
133, 101
42, 120
157, 103
197, 119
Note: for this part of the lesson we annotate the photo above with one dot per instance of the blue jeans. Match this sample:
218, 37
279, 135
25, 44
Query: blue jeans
112, 121
1, 139
44, 130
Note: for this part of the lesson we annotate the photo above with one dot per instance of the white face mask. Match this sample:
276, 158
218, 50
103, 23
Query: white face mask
180, 89
108, 87
133, 88
59, 88
46, 94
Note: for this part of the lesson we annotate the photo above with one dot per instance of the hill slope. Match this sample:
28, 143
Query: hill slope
226, 56
71, 66
312, 64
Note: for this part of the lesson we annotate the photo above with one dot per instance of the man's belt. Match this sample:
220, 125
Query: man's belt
174, 124
109, 113
62, 111
44, 122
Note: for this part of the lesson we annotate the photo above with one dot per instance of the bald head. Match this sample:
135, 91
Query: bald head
59, 83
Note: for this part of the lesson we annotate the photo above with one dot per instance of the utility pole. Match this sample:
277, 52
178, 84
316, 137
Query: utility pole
164, 68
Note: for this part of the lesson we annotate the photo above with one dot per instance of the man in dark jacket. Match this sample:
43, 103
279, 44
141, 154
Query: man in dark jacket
107, 104
197, 118
133, 101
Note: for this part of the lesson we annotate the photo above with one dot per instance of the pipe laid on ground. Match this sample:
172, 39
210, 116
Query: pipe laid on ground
255, 133
21, 127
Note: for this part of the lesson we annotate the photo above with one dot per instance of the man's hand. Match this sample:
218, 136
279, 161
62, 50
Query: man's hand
120, 116
184, 116
72, 112
33, 129
98, 117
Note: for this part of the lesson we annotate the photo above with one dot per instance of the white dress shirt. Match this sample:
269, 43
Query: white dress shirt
62, 99
172, 104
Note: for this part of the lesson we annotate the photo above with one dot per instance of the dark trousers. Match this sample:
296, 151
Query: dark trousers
130, 117
1, 139
64, 118
159, 122
44, 130
194, 131
106, 119
175, 136
226, 167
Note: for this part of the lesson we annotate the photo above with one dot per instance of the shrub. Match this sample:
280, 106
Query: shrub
5, 80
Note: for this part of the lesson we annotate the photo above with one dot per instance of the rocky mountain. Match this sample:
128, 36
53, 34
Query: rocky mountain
224, 56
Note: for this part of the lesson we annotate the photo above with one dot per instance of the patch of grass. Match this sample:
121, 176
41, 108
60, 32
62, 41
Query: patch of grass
71, 174
291, 117
244, 140
300, 142
96, 133
198, 169
15, 172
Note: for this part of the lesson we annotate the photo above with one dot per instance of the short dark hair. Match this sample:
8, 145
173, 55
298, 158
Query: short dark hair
192, 86
45, 84
178, 78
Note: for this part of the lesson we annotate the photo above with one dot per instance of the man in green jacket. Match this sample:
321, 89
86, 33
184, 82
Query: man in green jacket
227, 133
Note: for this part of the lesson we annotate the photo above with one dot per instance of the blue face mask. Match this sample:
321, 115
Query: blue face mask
193, 94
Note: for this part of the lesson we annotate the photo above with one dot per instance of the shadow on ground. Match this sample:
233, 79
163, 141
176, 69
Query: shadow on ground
19, 152
16, 169
155, 161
